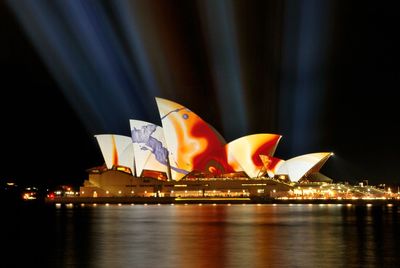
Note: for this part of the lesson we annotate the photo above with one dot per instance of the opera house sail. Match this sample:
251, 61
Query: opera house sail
193, 145
150, 150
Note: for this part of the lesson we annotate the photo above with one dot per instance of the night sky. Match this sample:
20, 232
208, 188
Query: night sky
324, 74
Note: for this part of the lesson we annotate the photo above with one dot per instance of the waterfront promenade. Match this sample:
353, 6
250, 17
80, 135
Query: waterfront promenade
214, 200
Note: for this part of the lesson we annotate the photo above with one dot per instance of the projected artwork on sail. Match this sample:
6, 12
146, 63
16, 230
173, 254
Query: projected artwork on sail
271, 164
193, 144
117, 150
149, 147
246, 151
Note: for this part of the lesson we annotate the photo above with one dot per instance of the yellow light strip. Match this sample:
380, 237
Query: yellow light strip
212, 198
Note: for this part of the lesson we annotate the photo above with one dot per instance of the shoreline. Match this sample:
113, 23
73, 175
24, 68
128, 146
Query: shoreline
214, 200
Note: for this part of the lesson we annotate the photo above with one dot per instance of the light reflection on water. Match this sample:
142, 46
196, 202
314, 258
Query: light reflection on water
209, 236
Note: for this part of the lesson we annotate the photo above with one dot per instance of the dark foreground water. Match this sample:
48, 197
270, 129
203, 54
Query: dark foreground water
201, 236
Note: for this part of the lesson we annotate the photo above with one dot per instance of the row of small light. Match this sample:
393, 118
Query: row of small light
70, 205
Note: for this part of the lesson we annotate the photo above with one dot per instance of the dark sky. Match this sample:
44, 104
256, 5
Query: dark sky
324, 74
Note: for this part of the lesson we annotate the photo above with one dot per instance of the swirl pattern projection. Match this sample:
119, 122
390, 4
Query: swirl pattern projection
271, 164
195, 146
246, 150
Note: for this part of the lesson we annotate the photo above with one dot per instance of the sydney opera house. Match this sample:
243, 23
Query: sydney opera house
187, 157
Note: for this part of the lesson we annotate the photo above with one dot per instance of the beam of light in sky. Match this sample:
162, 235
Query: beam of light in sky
80, 47
157, 48
48, 41
219, 29
302, 89
136, 44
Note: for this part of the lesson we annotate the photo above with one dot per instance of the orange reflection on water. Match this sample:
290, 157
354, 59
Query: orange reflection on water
228, 236
203, 237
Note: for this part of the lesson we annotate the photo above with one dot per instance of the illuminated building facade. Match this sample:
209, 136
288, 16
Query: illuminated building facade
188, 157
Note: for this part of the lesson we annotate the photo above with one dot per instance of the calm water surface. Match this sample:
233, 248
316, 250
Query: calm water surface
202, 236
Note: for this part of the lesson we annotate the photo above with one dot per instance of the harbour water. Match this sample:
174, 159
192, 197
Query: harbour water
267, 235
